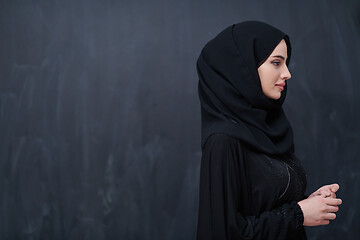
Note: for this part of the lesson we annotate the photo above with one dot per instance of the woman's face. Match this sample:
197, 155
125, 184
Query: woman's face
273, 72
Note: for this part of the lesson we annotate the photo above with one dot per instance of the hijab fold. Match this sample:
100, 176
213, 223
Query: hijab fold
230, 93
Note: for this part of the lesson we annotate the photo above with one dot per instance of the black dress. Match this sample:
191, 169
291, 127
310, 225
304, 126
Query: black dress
246, 194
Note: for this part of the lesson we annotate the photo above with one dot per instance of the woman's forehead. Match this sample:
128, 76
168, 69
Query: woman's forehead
280, 50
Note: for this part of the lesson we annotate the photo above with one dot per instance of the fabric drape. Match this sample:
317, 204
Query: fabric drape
230, 91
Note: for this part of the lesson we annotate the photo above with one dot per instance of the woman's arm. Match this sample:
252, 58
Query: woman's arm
221, 181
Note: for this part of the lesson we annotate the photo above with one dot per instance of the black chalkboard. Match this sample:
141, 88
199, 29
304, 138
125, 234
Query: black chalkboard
100, 119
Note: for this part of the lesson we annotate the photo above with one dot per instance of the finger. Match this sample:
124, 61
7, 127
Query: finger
325, 193
317, 192
324, 222
334, 187
332, 209
330, 216
333, 195
332, 201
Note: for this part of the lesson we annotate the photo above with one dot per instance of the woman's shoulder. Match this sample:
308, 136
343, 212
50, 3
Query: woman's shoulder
222, 140
221, 137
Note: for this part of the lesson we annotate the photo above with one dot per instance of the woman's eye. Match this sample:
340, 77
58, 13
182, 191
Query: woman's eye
276, 63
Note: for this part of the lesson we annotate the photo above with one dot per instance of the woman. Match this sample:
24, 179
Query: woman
251, 184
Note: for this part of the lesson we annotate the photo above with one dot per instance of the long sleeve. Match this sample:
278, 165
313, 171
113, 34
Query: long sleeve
224, 192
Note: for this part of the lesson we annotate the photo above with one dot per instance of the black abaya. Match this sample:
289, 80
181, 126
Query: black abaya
248, 195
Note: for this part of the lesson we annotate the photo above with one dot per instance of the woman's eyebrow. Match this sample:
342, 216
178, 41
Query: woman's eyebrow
279, 56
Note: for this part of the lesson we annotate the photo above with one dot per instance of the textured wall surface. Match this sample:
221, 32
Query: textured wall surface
100, 120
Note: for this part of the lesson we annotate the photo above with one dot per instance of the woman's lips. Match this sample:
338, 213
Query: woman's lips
279, 86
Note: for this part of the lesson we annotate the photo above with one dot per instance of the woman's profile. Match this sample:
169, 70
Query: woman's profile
252, 185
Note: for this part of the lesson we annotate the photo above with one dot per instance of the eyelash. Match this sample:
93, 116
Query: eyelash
276, 63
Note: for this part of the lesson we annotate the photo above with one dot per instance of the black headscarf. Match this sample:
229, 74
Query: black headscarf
232, 100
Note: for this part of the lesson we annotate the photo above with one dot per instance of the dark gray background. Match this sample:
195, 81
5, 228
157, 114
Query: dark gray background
100, 119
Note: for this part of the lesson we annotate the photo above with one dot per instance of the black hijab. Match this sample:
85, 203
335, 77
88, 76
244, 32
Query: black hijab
232, 100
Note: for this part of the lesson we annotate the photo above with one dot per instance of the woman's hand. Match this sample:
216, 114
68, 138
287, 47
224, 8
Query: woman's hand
319, 210
326, 191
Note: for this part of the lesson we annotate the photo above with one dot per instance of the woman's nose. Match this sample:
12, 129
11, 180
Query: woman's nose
286, 73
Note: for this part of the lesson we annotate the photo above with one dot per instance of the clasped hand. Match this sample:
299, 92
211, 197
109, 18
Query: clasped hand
320, 207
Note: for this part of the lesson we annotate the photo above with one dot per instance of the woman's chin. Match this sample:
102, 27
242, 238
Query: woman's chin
274, 96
